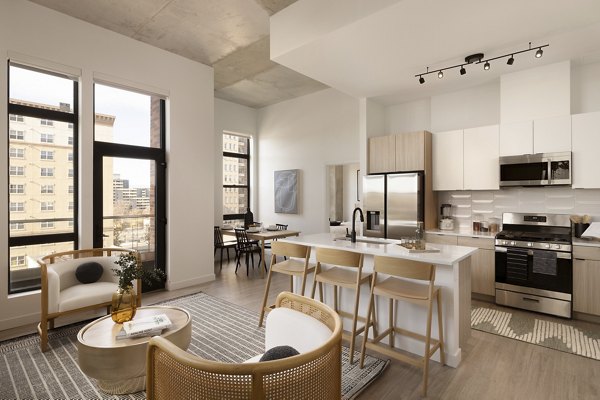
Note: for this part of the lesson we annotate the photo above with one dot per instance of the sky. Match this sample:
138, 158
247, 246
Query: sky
131, 111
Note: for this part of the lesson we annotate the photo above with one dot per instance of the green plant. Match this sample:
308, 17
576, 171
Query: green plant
130, 271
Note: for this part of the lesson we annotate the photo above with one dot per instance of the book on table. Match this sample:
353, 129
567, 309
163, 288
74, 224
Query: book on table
146, 325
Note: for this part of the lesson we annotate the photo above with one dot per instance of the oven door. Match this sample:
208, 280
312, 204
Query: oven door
547, 270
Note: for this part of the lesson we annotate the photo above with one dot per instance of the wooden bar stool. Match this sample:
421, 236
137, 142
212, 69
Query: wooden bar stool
402, 289
290, 266
343, 277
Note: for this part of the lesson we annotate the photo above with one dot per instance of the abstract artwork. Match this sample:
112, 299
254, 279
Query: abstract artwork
286, 191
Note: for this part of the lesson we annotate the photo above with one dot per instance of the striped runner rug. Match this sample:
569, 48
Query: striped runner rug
221, 331
573, 337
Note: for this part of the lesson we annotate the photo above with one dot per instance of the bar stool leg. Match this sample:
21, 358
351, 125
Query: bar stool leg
321, 292
391, 324
303, 283
264, 302
335, 298
354, 323
427, 348
441, 327
367, 326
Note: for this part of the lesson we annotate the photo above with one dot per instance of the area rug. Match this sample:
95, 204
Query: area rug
220, 331
562, 335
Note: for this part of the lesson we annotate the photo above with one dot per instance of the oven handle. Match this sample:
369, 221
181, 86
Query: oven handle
559, 254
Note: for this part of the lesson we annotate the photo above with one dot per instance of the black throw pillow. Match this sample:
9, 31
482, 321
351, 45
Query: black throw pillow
279, 352
89, 272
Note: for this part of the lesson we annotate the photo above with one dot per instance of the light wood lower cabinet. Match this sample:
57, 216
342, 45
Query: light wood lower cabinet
586, 280
440, 239
483, 272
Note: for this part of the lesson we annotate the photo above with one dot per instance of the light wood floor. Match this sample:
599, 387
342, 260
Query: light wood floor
493, 367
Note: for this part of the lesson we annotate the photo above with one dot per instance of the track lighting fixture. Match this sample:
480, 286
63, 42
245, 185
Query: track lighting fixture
539, 53
477, 58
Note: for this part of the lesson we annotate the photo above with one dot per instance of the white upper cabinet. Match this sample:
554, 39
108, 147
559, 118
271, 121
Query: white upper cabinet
552, 134
586, 146
481, 150
447, 154
516, 138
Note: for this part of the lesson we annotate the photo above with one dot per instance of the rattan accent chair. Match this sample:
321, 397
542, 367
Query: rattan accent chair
63, 294
175, 374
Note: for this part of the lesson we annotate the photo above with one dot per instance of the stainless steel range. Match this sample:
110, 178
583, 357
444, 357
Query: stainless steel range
534, 263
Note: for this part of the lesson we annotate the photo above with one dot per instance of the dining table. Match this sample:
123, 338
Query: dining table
263, 236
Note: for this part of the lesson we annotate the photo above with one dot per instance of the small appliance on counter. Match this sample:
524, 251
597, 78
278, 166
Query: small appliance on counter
446, 220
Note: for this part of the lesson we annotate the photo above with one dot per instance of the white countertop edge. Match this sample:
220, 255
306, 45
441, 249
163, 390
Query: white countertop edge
481, 235
586, 243
448, 254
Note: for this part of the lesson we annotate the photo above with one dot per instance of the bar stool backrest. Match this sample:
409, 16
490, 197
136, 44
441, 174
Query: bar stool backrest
342, 258
405, 268
290, 250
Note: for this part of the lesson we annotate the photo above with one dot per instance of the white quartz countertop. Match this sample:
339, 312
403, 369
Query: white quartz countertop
448, 254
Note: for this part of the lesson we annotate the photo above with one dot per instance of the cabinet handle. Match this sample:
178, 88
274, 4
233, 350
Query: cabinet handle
530, 299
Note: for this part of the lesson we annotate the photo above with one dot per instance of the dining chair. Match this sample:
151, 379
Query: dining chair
247, 247
223, 245
280, 227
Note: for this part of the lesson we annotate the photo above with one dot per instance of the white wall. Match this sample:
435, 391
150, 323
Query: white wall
306, 133
232, 117
411, 116
585, 88
350, 188
469, 108
536, 93
49, 38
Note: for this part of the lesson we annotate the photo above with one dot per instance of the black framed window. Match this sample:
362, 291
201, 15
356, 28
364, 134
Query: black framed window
43, 115
130, 173
236, 177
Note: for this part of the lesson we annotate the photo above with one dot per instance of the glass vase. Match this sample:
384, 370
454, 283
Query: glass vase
124, 304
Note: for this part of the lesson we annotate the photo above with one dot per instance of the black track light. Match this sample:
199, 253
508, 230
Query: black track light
478, 58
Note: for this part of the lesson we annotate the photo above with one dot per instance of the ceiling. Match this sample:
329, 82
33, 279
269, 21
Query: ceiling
365, 49
230, 35
375, 49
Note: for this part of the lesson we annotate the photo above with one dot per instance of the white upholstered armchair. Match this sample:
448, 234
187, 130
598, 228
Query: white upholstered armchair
62, 291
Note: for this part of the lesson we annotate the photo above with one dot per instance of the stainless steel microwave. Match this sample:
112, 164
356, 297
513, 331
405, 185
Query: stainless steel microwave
542, 169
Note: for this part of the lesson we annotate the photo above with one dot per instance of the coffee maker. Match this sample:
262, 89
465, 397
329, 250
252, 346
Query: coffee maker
446, 220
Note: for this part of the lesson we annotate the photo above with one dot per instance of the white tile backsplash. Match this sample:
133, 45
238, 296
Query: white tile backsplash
553, 200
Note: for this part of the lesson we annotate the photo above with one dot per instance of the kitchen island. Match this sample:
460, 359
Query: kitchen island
453, 275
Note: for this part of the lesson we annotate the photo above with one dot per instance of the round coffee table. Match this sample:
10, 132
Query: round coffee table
119, 366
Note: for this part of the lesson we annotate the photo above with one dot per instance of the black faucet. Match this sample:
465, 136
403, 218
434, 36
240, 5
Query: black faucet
362, 219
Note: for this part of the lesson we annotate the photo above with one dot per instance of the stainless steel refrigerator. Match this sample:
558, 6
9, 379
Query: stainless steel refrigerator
393, 204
